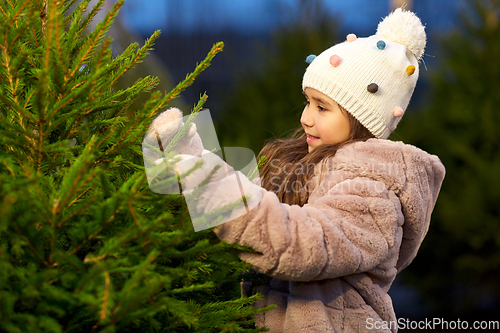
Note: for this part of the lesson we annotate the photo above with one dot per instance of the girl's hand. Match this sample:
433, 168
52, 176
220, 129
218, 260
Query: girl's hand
194, 172
191, 172
215, 193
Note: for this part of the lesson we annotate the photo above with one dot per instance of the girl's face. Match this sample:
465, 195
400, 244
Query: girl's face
323, 120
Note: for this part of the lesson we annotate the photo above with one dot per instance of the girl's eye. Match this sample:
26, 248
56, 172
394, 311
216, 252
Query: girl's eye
320, 108
306, 103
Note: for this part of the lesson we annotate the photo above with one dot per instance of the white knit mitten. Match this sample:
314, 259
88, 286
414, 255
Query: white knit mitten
214, 191
163, 130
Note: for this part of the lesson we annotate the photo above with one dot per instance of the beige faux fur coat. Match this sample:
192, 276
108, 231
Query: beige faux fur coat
333, 260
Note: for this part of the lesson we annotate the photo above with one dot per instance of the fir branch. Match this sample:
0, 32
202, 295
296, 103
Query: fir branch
90, 17
124, 138
141, 53
7, 204
185, 128
52, 15
78, 197
3, 11
184, 214
62, 256
164, 297
106, 137
59, 31
28, 100
42, 7
17, 37
13, 19
4, 162
13, 80
95, 37
88, 278
130, 284
67, 5
132, 213
124, 238
31, 247
88, 202
105, 296
16, 107
80, 88
87, 240
74, 25
33, 28
79, 185
255, 172
53, 230
104, 50
153, 290
140, 86
139, 230
161, 303
77, 90
189, 78
72, 181
41, 197
40, 143
74, 92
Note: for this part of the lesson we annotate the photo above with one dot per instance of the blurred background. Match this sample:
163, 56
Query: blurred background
254, 89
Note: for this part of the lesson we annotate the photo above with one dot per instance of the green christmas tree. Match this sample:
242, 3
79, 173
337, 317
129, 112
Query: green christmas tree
458, 266
85, 245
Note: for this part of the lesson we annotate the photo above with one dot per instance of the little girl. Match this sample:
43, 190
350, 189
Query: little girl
333, 237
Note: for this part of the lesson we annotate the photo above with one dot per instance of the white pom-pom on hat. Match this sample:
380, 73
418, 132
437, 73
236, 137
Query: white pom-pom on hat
404, 27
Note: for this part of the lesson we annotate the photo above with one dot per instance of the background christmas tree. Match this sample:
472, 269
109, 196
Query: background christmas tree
458, 266
85, 246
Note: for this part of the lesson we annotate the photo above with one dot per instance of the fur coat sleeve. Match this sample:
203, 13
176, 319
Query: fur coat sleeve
350, 229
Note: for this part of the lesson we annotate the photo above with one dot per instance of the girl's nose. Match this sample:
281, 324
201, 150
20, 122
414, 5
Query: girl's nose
306, 118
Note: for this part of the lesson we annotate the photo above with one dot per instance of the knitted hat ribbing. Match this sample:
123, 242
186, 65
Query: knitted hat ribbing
373, 78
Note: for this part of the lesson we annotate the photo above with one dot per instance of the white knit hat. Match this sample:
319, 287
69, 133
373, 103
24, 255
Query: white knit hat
373, 78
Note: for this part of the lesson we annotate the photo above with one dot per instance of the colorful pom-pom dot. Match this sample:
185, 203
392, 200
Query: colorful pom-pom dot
372, 87
335, 60
381, 45
398, 111
410, 70
310, 58
351, 37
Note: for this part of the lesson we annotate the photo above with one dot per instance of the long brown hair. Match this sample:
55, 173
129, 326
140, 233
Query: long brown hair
289, 166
